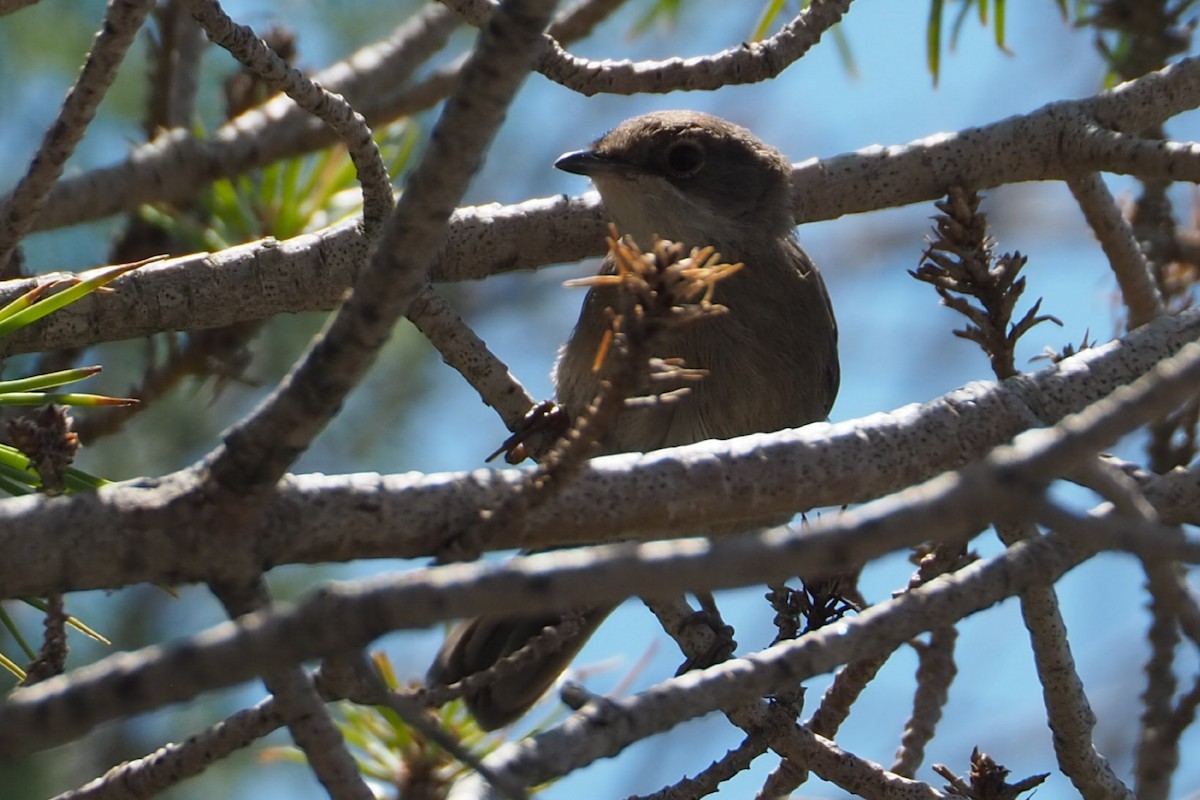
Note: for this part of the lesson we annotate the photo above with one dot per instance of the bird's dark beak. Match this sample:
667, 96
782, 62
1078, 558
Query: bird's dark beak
588, 162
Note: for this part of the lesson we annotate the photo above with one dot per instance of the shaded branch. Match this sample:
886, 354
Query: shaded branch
112, 538
1053, 142
1138, 290
1011, 482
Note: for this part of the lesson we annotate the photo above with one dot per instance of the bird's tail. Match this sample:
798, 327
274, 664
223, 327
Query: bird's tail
478, 644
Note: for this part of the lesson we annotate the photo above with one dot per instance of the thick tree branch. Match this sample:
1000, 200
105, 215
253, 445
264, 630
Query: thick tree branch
1057, 142
117, 536
1006, 486
310, 272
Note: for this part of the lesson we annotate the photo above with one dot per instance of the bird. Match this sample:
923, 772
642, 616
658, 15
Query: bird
771, 359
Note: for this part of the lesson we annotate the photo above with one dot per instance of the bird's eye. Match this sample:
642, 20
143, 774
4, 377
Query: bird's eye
684, 159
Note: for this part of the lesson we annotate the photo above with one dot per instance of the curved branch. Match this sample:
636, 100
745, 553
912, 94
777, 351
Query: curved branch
749, 62
308, 95
1138, 289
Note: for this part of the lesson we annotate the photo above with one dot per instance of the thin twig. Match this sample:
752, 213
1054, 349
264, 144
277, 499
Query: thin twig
711, 777
463, 350
52, 659
301, 707
1128, 262
775, 723
122, 20
148, 776
1068, 711
1158, 749
935, 672
331, 109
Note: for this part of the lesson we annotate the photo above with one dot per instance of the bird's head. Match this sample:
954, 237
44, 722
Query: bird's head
689, 177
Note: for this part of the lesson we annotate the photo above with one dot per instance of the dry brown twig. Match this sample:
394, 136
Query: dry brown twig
987, 780
961, 264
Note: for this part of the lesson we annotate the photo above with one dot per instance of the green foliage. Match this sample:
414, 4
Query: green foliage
997, 9
397, 760
666, 11
285, 199
933, 41
18, 475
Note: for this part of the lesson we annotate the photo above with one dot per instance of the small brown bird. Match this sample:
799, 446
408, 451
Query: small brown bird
771, 359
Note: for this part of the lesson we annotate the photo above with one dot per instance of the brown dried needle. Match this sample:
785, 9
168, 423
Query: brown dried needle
961, 264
